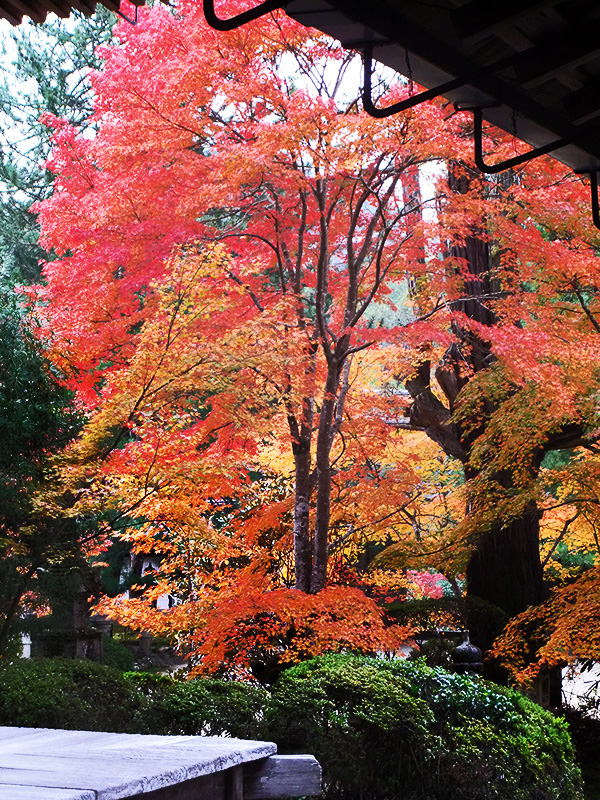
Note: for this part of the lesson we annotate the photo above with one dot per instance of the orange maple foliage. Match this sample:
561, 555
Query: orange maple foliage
557, 632
230, 243
240, 634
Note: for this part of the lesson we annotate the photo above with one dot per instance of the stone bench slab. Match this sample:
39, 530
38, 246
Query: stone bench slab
46, 764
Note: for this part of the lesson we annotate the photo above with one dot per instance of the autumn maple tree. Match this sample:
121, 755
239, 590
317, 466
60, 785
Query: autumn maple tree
229, 242
238, 244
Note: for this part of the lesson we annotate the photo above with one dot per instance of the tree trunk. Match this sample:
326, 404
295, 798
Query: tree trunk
330, 421
302, 537
505, 568
323, 499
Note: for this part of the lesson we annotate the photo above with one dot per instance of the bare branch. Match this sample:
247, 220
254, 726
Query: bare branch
559, 539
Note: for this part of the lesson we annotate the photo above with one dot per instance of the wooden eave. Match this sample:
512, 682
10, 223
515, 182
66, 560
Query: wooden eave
533, 66
37, 10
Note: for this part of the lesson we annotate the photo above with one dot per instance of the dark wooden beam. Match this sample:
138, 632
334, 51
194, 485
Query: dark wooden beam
58, 7
15, 10
282, 776
557, 53
387, 21
480, 17
584, 104
86, 7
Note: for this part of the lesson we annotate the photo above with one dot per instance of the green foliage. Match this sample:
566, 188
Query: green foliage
63, 693
201, 707
38, 538
381, 729
37, 418
575, 560
116, 655
387, 729
43, 70
556, 459
366, 730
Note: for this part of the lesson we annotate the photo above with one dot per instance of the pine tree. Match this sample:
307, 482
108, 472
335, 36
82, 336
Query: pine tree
44, 69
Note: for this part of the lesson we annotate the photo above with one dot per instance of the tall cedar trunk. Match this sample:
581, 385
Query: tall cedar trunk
505, 567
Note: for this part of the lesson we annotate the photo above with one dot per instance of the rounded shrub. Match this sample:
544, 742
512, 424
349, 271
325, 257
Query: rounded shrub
64, 693
399, 729
201, 706
117, 655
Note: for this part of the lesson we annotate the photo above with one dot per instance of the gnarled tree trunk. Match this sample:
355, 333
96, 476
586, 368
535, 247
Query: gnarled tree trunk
505, 568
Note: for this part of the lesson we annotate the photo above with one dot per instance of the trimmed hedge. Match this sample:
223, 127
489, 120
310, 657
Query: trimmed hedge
65, 693
201, 707
389, 729
382, 730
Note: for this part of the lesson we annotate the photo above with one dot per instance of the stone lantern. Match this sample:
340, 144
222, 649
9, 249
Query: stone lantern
466, 657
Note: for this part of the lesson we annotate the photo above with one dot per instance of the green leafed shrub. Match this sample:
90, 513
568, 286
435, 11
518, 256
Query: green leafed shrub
63, 693
398, 729
382, 730
201, 706
116, 655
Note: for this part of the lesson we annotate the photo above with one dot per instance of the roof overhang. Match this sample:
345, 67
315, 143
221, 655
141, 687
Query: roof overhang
37, 10
532, 66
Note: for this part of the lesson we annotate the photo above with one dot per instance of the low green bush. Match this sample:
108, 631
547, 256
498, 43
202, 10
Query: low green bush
202, 706
399, 729
65, 693
117, 655
382, 730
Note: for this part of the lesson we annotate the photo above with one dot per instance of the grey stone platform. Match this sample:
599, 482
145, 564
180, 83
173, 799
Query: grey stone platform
46, 764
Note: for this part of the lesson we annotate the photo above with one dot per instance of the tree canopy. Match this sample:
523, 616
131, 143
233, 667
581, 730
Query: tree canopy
281, 357
38, 535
